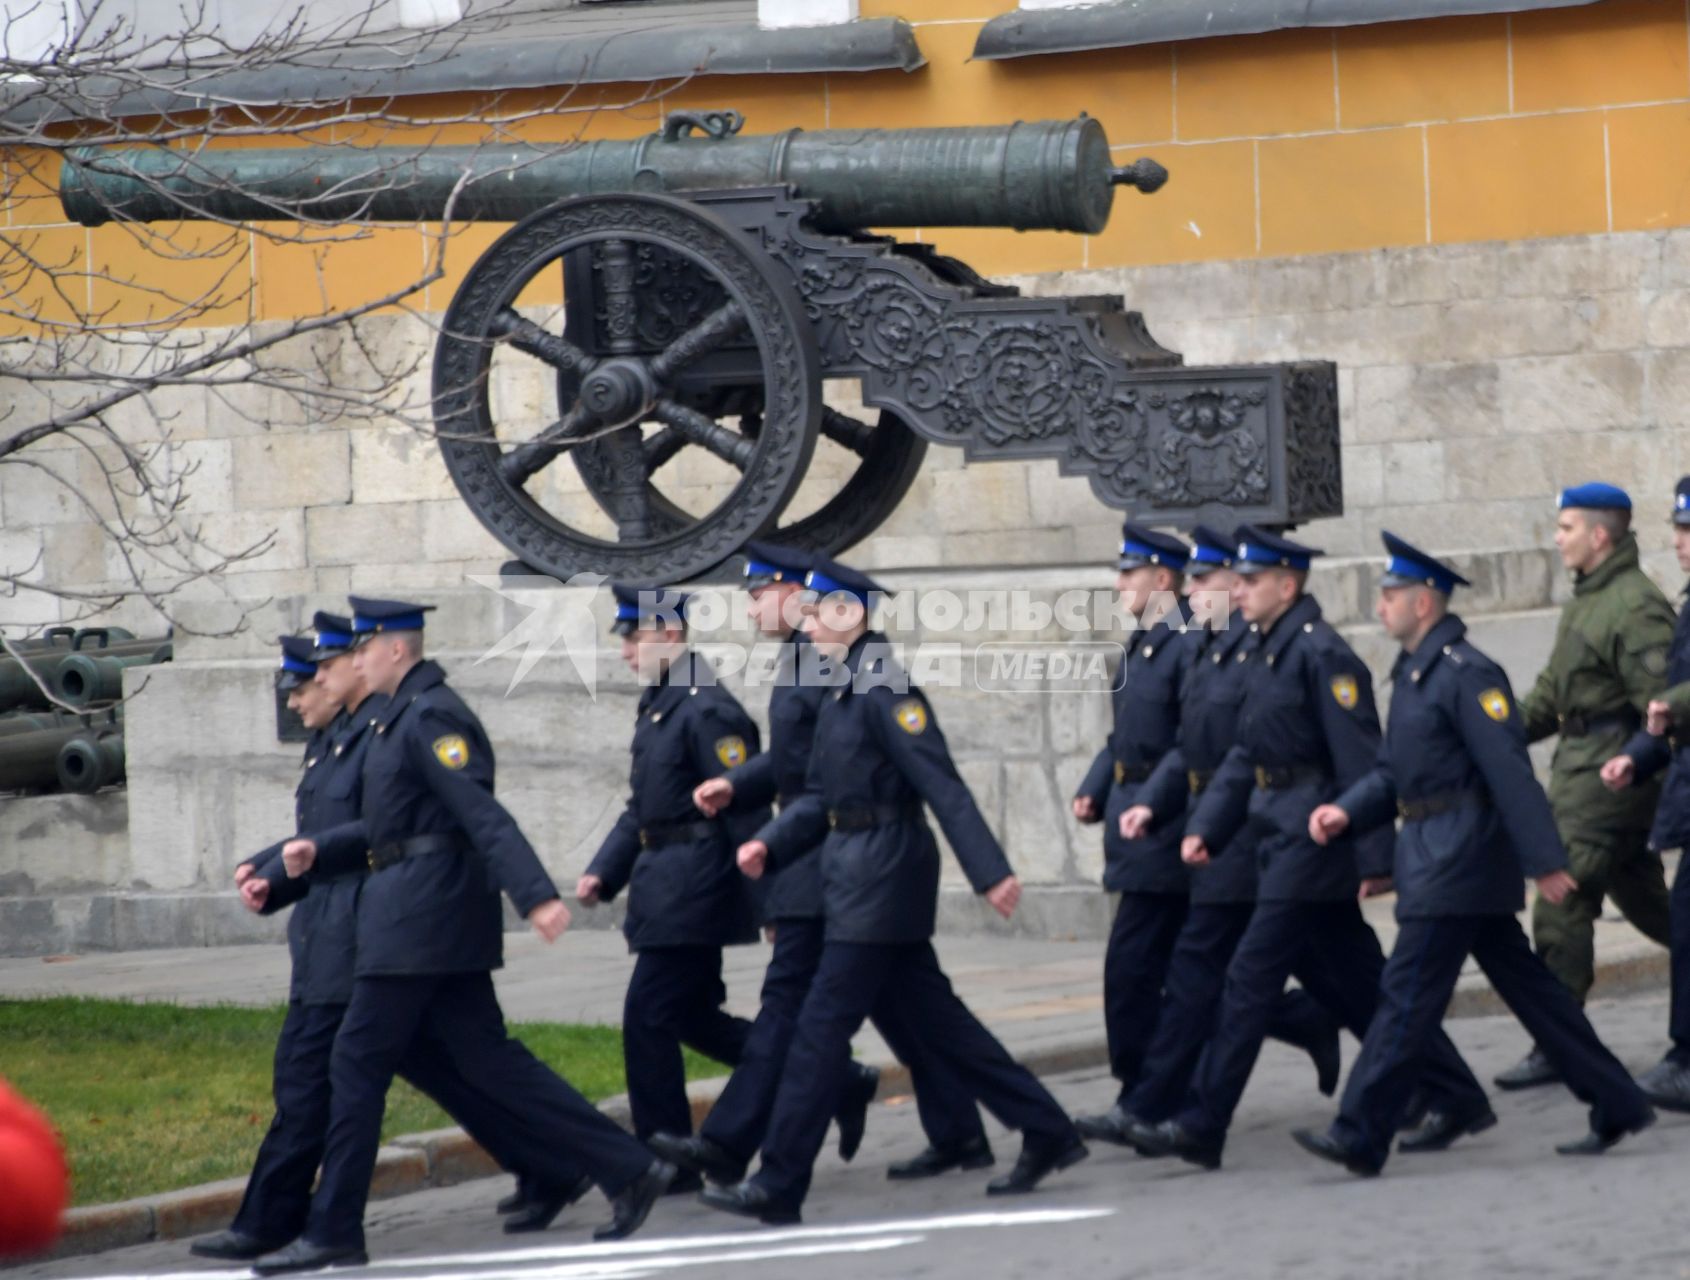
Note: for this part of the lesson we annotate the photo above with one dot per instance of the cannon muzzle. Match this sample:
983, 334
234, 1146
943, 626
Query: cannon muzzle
1052, 175
91, 760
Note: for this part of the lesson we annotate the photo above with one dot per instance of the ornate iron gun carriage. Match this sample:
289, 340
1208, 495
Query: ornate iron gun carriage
711, 286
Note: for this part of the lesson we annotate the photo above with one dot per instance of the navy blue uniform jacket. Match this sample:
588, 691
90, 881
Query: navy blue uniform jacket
1672, 816
1455, 738
795, 891
322, 932
1208, 726
1308, 714
878, 747
429, 771
682, 890
1147, 700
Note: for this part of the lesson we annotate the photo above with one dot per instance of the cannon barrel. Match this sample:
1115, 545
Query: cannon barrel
91, 760
29, 759
19, 690
1046, 175
82, 679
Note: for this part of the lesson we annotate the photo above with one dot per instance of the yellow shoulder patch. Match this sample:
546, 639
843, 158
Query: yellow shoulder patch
911, 715
730, 751
1495, 703
452, 751
1344, 691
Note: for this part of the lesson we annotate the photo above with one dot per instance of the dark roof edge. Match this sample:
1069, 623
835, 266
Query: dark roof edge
879, 44
1023, 33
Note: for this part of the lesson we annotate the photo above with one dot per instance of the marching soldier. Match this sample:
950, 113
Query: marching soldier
1223, 891
878, 756
1307, 730
1609, 661
1144, 869
1664, 741
734, 1129
430, 931
1474, 824
686, 898
332, 701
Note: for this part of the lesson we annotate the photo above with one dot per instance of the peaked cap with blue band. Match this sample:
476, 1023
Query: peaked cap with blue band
370, 617
828, 576
297, 667
1681, 502
334, 636
1409, 566
1595, 496
1142, 546
1210, 549
1258, 549
637, 606
769, 562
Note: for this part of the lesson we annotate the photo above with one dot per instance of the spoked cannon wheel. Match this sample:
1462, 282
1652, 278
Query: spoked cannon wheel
888, 457
739, 380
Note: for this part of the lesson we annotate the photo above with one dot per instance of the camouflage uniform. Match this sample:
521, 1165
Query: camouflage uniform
1610, 659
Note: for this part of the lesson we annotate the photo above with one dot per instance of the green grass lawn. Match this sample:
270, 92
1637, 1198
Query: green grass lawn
151, 1097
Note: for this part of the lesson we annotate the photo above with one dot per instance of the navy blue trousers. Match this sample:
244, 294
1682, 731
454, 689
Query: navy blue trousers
1135, 967
1418, 982
1680, 1024
278, 1191
674, 998
852, 979
536, 1121
1191, 997
1335, 955
740, 1118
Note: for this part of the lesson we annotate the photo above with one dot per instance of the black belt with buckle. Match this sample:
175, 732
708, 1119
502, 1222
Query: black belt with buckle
1279, 777
392, 854
1577, 726
1132, 772
865, 816
659, 834
1423, 807
1198, 780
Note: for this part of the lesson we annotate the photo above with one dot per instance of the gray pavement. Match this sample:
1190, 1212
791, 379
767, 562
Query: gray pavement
1501, 1204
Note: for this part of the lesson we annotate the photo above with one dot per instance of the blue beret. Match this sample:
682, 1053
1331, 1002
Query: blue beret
296, 667
1210, 549
767, 562
827, 576
371, 616
1141, 546
334, 635
1259, 549
1595, 496
1410, 566
1681, 502
638, 605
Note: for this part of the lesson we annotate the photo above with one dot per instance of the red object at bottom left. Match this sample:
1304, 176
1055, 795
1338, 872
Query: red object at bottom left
34, 1180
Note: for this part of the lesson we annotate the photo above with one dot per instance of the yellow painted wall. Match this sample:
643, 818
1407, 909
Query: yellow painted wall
1554, 123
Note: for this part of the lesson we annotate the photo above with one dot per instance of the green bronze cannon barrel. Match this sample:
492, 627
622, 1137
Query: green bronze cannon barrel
19, 689
1047, 175
83, 679
31, 760
91, 760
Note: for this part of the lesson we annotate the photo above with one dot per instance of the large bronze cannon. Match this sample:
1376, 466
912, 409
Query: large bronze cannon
714, 285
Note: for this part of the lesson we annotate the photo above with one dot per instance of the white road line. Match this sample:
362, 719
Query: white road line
532, 1260
633, 1268
783, 1235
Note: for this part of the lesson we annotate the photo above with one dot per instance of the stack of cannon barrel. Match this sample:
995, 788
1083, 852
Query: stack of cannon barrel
61, 712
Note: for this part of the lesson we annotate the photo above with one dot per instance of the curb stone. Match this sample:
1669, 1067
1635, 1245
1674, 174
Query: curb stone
446, 1157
